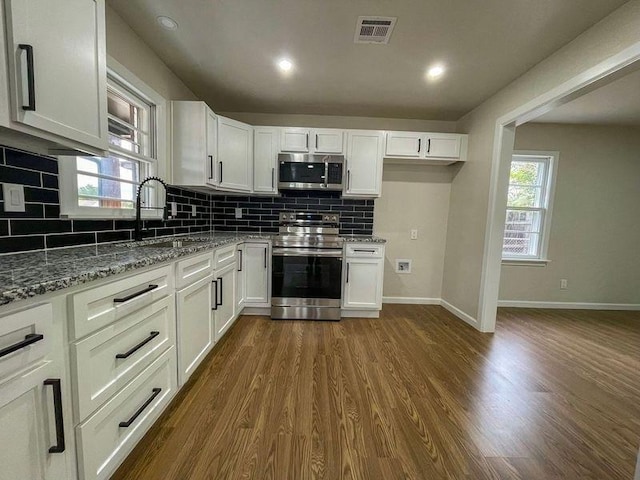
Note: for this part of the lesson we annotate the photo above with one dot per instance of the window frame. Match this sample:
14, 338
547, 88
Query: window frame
549, 185
69, 207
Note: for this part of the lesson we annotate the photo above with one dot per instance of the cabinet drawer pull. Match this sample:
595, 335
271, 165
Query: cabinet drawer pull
137, 347
134, 295
31, 81
215, 299
316, 141
156, 392
365, 250
429, 146
28, 340
57, 407
419, 144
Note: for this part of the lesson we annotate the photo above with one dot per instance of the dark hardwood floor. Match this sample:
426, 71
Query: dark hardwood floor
415, 394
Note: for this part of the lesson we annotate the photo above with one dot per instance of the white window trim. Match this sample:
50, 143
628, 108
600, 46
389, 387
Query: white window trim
67, 170
550, 188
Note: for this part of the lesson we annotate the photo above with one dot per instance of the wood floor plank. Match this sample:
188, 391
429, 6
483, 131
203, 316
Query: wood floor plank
415, 394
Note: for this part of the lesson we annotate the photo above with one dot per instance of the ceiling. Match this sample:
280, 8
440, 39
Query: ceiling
617, 103
225, 51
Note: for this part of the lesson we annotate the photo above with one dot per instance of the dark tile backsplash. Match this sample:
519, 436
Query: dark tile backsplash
40, 226
261, 213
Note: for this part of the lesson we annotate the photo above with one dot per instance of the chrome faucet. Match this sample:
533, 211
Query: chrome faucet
138, 231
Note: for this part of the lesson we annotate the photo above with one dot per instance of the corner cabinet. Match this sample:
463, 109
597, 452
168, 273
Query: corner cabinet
364, 163
265, 160
363, 274
56, 66
235, 155
437, 148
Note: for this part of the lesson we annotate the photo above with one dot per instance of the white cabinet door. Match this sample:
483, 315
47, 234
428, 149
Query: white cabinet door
257, 265
57, 63
327, 141
211, 122
265, 160
364, 163
405, 144
363, 284
442, 145
235, 155
28, 427
241, 280
195, 327
225, 311
294, 140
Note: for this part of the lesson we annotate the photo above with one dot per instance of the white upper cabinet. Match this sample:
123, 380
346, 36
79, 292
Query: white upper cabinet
441, 148
195, 145
56, 66
305, 140
265, 160
404, 144
235, 155
364, 163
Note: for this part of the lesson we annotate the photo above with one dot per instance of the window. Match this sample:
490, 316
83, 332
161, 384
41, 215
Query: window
106, 187
528, 217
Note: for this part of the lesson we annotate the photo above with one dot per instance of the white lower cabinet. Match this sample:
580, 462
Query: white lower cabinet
106, 438
224, 299
363, 277
257, 270
195, 326
30, 449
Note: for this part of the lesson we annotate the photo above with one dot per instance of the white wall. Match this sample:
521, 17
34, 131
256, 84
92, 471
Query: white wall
469, 206
414, 197
595, 232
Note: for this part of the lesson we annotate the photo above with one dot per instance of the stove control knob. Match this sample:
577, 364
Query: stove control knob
292, 217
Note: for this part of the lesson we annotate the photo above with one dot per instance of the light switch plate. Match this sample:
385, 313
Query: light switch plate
238, 213
174, 209
193, 211
13, 197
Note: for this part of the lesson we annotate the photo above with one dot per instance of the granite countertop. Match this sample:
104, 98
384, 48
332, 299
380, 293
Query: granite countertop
26, 275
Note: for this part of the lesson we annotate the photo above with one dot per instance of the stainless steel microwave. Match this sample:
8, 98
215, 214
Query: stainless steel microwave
301, 171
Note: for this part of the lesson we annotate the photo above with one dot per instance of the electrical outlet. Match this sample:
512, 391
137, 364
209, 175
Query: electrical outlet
13, 197
238, 213
193, 211
563, 284
174, 209
414, 234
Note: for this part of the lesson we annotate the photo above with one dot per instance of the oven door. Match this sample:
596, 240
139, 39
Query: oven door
302, 273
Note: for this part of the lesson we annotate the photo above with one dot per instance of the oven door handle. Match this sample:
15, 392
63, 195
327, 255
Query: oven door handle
306, 252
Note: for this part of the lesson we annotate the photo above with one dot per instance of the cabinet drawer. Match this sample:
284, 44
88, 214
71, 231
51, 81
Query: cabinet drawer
110, 358
224, 256
97, 307
192, 269
25, 337
365, 250
107, 437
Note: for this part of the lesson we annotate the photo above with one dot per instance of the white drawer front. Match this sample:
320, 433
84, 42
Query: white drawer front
102, 443
192, 269
110, 358
97, 307
224, 256
25, 337
365, 250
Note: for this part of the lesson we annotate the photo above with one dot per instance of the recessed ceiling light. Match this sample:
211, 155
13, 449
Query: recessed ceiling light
436, 71
167, 22
285, 64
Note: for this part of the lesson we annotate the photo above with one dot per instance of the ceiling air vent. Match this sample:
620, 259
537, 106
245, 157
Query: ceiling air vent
374, 29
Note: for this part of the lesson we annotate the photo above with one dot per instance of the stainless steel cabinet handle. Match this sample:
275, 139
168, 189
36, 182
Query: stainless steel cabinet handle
31, 80
57, 408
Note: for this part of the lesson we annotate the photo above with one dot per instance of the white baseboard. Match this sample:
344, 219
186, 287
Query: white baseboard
262, 311
360, 313
568, 305
412, 300
460, 314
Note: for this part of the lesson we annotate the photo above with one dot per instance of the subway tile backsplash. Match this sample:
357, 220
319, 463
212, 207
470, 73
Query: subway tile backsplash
40, 226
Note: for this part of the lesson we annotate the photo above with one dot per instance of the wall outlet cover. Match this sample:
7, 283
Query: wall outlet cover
13, 197
238, 213
403, 265
193, 211
174, 209
414, 234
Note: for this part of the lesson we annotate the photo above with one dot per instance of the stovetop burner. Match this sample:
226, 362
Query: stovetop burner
309, 230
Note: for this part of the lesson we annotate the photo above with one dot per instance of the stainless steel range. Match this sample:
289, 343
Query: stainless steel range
307, 267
